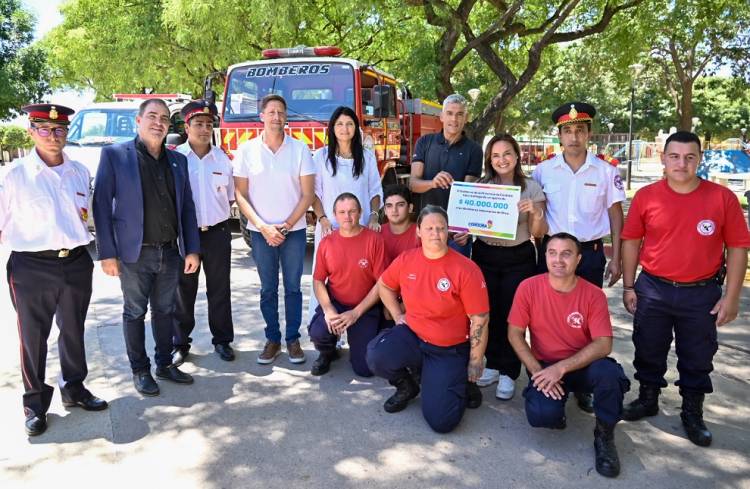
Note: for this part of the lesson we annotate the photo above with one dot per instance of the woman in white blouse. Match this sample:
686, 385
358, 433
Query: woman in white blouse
344, 166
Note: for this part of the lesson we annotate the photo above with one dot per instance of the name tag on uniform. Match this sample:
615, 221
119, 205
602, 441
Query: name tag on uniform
80, 194
588, 184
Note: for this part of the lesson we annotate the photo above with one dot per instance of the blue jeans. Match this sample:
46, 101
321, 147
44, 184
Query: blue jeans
291, 256
152, 279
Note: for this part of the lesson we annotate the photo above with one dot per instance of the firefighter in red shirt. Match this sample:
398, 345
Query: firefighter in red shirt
681, 291
399, 232
347, 267
571, 336
443, 334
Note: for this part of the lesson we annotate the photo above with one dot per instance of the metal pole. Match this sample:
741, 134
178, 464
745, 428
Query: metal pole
630, 137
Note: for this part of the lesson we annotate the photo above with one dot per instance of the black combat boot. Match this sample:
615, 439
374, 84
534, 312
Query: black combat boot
406, 390
692, 418
607, 461
647, 404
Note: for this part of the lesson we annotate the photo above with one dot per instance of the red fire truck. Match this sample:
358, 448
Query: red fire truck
314, 81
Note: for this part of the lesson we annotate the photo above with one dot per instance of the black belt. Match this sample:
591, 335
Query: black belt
592, 245
163, 245
61, 253
204, 229
700, 283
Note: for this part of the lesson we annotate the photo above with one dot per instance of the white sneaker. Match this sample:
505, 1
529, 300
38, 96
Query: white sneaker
489, 377
506, 388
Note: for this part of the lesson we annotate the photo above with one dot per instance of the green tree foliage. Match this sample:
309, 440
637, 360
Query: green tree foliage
23, 73
14, 138
171, 45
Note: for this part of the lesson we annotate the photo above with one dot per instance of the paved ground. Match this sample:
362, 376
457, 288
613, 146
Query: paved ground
244, 425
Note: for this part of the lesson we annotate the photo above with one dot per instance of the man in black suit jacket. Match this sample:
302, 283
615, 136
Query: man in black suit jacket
145, 220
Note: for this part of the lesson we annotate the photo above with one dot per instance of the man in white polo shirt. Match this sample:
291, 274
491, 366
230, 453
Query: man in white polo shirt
210, 173
584, 195
274, 177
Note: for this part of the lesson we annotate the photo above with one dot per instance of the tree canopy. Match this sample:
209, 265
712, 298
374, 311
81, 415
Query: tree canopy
23, 73
526, 57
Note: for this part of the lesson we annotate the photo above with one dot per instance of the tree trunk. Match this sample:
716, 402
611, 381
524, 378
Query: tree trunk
686, 106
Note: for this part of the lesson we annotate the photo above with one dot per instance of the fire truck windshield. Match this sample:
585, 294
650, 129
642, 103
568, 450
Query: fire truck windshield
312, 90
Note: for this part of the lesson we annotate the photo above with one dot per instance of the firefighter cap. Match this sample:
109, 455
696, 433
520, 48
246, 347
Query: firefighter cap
572, 112
199, 107
57, 114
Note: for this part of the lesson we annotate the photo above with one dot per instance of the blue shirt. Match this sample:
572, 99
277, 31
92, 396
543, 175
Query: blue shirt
460, 159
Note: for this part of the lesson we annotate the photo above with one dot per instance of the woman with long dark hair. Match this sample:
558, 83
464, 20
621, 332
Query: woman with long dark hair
344, 165
505, 263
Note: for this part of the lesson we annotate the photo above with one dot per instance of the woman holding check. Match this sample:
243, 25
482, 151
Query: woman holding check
506, 263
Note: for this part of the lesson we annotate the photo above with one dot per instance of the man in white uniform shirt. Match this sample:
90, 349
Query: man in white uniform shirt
210, 174
584, 195
274, 178
43, 212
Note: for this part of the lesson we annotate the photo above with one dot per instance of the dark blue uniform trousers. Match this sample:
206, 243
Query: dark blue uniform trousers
358, 335
604, 378
592, 265
216, 250
444, 372
663, 308
40, 288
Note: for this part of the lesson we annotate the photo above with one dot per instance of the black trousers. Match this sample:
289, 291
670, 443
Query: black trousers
504, 269
43, 287
664, 312
592, 265
216, 250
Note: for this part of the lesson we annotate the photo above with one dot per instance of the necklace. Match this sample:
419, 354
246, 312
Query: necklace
347, 156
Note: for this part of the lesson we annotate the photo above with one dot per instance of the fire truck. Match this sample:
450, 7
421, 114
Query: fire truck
314, 81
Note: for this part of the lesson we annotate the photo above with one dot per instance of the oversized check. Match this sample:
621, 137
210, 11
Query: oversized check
484, 209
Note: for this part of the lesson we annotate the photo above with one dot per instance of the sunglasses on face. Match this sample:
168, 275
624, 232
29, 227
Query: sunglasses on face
46, 131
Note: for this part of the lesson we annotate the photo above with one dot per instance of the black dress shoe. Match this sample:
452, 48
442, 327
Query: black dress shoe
145, 384
89, 403
35, 424
172, 373
473, 395
179, 355
225, 351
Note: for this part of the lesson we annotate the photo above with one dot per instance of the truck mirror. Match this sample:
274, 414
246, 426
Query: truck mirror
210, 96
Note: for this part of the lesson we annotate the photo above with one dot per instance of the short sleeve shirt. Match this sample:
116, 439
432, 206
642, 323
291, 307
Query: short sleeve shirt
439, 294
577, 203
534, 192
42, 208
395, 244
459, 159
684, 235
352, 265
560, 323
273, 179
211, 183
329, 186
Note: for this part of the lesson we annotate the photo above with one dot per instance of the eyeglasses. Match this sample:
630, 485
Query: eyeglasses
45, 132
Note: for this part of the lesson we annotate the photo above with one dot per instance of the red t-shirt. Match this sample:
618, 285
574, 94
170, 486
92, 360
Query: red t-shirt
395, 244
351, 265
561, 323
439, 294
684, 234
